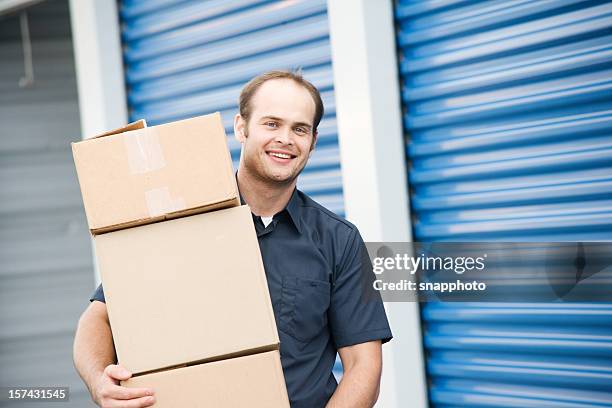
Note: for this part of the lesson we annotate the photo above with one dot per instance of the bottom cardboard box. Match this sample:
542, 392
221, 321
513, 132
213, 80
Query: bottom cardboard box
254, 381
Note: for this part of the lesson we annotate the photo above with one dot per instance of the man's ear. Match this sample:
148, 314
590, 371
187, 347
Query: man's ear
240, 132
314, 141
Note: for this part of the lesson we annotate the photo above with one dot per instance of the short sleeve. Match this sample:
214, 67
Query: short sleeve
98, 295
356, 314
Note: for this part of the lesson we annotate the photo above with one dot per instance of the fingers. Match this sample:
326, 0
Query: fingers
117, 372
125, 393
115, 396
135, 403
140, 402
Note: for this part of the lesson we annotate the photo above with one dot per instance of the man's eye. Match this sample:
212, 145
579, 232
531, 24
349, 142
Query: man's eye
300, 130
272, 124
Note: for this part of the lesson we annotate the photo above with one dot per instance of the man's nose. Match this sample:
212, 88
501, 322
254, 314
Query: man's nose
284, 136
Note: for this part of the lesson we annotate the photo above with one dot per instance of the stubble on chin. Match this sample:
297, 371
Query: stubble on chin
260, 171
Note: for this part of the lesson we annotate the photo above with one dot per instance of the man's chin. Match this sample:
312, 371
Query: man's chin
281, 176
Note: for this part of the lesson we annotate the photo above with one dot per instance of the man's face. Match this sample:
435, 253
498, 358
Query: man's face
278, 138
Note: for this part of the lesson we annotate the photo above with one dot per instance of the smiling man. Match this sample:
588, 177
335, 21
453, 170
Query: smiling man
313, 259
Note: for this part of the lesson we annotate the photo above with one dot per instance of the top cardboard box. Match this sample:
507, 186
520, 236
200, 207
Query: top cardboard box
137, 175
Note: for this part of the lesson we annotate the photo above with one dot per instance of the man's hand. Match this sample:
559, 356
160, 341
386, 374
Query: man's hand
94, 355
108, 393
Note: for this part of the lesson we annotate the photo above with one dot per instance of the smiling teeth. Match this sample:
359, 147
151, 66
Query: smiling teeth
281, 155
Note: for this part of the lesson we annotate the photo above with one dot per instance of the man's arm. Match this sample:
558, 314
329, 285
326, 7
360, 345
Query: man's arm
360, 383
94, 358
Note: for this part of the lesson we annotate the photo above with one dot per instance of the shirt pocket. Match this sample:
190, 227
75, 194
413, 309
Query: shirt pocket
304, 305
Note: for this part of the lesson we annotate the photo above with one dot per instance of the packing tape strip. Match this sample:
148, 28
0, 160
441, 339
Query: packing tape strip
160, 202
144, 151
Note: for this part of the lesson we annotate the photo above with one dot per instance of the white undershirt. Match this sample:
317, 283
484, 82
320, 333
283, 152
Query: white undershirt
266, 221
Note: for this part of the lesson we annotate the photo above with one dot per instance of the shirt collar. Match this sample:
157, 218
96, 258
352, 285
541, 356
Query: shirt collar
293, 208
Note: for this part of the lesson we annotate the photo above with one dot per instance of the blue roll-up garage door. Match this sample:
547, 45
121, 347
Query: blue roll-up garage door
508, 117
187, 58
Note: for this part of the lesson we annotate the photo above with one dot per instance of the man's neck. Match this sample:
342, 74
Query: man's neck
265, 198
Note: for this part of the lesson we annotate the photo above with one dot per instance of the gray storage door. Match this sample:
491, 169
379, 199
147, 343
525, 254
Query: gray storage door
46, 267
508, 117
187, 58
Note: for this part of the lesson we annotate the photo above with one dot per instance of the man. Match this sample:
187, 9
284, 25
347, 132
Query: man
313, 262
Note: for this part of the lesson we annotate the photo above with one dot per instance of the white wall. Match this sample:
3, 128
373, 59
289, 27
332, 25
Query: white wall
99, 65
368, 110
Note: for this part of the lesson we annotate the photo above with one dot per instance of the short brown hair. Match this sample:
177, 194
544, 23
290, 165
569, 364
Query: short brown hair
244, 102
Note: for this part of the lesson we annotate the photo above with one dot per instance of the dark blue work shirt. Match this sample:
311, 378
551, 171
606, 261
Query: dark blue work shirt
314, 264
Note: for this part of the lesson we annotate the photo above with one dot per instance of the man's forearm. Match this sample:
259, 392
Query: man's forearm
358, 388
93, 349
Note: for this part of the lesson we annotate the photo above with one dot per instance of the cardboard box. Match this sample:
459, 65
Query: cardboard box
137, 175
186, 290
254, 381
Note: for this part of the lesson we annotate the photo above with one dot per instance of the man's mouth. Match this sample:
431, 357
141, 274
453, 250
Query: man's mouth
280, 157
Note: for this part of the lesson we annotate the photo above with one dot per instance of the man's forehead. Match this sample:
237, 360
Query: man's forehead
283, 99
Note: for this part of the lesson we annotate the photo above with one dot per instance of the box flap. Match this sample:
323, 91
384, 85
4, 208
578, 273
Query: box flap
139, 124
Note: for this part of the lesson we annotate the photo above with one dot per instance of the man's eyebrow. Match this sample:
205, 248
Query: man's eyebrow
303, 124
271, 118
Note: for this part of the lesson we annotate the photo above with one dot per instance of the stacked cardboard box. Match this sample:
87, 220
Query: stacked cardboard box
187, 297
